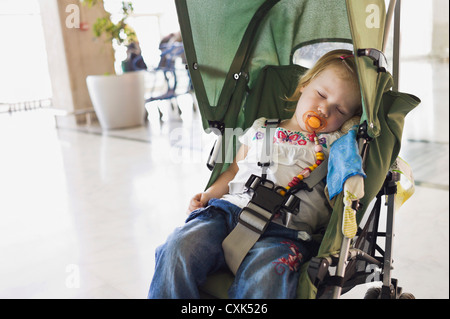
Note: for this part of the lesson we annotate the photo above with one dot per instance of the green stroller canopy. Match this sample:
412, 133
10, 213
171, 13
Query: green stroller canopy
229, 40
222, 39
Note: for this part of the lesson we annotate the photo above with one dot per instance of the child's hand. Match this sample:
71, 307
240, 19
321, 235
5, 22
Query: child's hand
198, 201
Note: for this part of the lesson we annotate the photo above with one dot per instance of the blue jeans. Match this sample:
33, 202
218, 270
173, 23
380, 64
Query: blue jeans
193, 251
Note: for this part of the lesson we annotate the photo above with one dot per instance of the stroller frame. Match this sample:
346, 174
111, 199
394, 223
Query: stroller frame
346, 275
390, 289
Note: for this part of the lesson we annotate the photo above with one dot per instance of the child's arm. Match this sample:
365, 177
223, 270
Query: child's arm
220, 186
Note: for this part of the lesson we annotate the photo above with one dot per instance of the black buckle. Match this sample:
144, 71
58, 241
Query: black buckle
300, 186
377, 56
356, 205
363, 132
291, 204
272, 122
218, 125
267, 164
390, 185
318, 270
267, 196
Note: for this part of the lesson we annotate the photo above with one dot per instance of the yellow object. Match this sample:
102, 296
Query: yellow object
402, 195
405, 189
350, 226
314, 122
353, 190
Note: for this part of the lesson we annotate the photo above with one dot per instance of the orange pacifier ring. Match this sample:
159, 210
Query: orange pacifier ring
314, 122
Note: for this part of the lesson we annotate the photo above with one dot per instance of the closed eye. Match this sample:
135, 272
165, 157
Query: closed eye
340, 111
321, 95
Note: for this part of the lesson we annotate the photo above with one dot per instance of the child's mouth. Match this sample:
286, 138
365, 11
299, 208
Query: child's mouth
314, 122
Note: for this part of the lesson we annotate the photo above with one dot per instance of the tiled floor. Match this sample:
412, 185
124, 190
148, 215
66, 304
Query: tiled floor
81, 211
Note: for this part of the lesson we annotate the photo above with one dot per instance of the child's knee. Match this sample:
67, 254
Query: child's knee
177, 245
181, 245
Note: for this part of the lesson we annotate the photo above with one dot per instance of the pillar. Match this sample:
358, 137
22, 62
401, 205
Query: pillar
73, 52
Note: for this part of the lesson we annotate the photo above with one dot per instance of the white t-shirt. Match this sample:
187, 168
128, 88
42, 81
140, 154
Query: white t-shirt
291, 153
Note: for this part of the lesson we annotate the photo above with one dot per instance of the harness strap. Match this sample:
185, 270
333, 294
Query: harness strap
253, 219
317, 175
243, 238
265, 156
256, 216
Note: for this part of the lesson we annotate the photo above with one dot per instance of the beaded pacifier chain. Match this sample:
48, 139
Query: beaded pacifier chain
313, 123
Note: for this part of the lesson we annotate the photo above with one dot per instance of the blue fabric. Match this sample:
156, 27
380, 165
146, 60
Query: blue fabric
344, 162
193, 251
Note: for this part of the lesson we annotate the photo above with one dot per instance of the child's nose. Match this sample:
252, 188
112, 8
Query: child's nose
324, 110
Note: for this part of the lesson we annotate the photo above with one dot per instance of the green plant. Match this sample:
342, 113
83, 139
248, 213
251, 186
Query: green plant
120, 31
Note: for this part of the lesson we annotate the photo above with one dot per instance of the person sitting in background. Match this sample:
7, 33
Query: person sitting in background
134, 60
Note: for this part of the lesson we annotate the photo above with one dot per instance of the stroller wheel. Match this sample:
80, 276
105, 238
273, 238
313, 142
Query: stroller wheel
406, 295
373, 293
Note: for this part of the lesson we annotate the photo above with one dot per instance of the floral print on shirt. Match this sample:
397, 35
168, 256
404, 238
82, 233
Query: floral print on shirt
290, 137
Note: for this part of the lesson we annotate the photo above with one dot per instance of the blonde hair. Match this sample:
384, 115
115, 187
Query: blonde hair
337, 58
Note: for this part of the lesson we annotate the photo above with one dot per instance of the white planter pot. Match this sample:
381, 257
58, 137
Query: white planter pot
118, 100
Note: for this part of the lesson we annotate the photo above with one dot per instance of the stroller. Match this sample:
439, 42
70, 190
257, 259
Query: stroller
250, 57
171, 49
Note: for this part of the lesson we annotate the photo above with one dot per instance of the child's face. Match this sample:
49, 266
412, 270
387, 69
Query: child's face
332, 96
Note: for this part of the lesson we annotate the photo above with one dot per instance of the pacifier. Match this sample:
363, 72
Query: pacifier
314, 122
